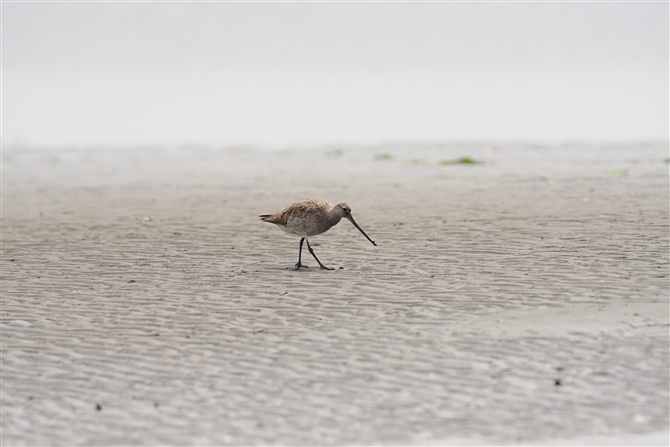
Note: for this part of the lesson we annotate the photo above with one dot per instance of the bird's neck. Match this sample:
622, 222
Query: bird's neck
334, 216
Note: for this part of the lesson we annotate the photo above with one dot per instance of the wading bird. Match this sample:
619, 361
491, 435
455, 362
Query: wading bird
309, 218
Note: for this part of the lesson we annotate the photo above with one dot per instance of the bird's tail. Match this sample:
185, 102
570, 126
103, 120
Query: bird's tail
264, 217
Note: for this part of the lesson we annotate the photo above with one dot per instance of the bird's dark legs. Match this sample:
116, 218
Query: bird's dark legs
300, 264
323, 267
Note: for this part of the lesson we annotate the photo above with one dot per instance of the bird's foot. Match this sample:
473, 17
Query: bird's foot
298, 265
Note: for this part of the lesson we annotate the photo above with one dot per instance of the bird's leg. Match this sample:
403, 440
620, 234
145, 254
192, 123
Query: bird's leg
300, 264
323, 267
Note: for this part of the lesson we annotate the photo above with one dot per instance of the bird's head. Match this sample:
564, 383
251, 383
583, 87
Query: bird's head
343, 209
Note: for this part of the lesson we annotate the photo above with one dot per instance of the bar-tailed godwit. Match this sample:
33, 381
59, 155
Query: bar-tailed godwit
309, 218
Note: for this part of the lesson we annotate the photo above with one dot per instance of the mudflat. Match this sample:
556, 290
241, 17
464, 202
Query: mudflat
523, 299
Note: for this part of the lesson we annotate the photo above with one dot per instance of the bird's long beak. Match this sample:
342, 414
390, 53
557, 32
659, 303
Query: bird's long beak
351, 219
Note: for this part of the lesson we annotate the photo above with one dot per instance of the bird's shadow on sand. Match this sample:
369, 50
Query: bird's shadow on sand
291, 269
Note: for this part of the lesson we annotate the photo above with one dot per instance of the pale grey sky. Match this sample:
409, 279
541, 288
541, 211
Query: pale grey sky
320, 73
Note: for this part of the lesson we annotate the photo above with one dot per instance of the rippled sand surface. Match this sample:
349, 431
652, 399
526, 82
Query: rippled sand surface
522, 300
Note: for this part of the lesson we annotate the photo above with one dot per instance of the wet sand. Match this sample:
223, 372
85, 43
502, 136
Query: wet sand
520, 301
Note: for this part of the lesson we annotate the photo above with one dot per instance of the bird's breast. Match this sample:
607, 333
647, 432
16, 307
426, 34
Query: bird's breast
307, 227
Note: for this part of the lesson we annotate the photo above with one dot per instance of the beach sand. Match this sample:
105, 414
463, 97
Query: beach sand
520, 301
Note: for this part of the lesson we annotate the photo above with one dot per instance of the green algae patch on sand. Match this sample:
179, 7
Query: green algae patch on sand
417, 161
335, 153
385, 156
620, 173
461, 161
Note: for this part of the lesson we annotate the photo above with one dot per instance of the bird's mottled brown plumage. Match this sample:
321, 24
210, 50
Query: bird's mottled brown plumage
308, 217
